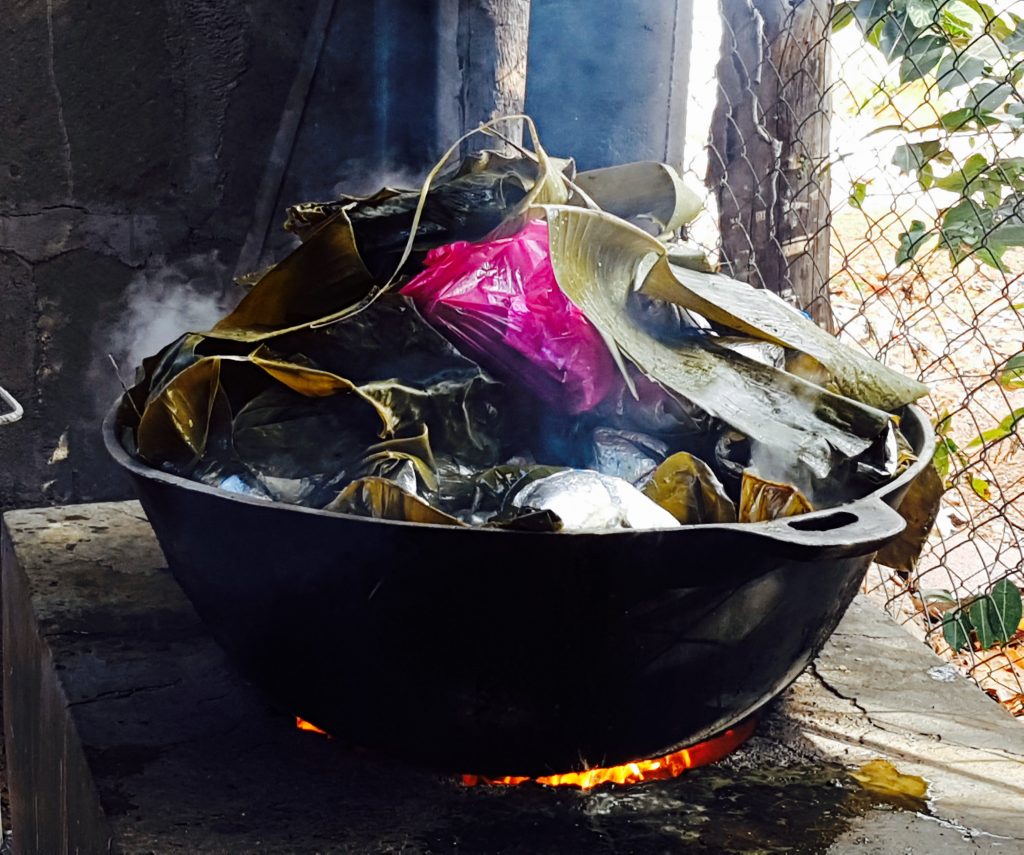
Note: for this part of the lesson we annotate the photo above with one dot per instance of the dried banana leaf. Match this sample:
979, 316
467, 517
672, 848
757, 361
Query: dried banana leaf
762, 500
920, 508
690, 256
598, 257
385, 500
761, 314
643, 193
687, 488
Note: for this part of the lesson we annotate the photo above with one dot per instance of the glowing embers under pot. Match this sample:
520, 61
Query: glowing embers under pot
636, 772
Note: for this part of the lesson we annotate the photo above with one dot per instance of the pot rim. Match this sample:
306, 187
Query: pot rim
828, 527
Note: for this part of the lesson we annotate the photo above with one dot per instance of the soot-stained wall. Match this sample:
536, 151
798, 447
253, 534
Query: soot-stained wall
135, 138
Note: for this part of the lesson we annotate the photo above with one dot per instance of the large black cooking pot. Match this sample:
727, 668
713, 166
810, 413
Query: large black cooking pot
515, 652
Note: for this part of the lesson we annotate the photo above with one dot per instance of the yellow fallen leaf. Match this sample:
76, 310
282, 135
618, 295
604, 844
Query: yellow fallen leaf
882, 777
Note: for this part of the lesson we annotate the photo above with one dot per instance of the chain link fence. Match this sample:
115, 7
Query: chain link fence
865, 161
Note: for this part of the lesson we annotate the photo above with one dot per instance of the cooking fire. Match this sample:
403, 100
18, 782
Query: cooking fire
658, 769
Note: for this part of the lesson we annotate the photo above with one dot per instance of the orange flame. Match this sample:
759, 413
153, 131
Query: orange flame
660, 769
302, 724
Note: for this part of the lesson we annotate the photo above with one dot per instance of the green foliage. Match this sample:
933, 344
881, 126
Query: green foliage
911, 241
970, 49
1012, 374
858, 193
1007, 427
946, 449
992, 617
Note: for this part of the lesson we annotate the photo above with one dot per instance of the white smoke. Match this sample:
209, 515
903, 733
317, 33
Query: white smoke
160, 303
166, 300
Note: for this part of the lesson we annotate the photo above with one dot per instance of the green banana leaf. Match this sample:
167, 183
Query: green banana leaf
323, 279
387, 340
281, 433
176, 422
687, 488
393, 458
174, 425
761, 314
643, 193
762, 500
466, 204
465, 416
597, 258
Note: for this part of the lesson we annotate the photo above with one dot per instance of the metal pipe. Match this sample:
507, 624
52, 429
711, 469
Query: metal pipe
16, 410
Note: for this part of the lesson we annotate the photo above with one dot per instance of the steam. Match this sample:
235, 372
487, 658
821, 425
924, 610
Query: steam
781, 466
160, 303
165, 301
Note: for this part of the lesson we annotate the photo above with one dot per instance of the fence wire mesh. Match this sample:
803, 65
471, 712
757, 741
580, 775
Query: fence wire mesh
864, 159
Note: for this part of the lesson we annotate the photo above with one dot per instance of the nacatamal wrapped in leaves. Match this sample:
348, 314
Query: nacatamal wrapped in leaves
564, 364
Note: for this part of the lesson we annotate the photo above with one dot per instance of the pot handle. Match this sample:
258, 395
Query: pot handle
16, 412
856, 529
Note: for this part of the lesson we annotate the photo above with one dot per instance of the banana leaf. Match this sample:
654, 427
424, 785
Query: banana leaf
303, 449
598, 257
687, 488
527, 519
920, 508
757, 349
645, 193
762, 500
304, 218
690, 256
400, 455
464, 205
385, 500
465, 416
323, 279
761, 314
650, 408
174, 425
478, 495
176, 422
387, 340
326, 278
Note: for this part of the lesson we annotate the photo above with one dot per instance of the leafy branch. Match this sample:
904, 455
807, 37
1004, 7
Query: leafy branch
976, 54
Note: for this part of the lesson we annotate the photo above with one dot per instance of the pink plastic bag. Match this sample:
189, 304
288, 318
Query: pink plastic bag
499, 301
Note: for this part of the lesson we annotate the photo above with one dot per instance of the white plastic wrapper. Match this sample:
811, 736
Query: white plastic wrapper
589, 501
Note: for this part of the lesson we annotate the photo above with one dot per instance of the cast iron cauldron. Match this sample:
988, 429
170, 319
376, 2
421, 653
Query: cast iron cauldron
514, 652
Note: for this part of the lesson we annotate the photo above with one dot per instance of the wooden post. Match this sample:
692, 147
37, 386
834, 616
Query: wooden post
768, 164
492, 45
